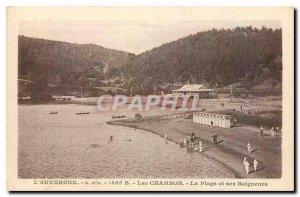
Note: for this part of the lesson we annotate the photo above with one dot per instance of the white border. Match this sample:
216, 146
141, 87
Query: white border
4, 4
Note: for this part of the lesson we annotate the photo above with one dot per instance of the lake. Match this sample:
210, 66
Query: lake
66, 145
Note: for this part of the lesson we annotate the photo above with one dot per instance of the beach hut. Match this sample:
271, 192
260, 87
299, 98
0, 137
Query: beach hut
194, 117
201, 118
198, 118
220, 118
216, 120
206, 119
226, 122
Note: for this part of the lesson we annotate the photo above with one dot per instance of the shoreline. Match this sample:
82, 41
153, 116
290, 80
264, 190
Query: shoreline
226, 152
235, 173
78, 148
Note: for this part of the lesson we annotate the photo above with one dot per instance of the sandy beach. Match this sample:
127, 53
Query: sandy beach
231, 147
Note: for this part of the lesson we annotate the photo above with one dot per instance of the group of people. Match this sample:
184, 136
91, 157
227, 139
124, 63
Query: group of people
247, 165
189, 142
245, 161
274, 131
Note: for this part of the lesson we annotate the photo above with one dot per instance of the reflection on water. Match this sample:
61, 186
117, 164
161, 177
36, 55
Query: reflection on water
66, 145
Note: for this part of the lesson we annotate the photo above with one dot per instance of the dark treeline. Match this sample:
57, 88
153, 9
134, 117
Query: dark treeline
247, 56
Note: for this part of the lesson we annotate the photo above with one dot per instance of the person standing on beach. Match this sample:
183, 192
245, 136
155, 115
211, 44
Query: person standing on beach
200, 146
261, 130
249, 147
193, 137
166, 138
190, 144
211, 124
277, 131
273, 131
181, 142
247, 165
245, 159
255, 163
234, 122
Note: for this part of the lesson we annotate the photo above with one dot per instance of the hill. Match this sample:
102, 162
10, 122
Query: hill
242, 55
68, 65
247, 56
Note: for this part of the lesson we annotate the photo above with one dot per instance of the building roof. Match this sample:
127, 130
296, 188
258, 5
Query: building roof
193, 88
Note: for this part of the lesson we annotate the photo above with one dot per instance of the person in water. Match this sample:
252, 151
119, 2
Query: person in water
166, 138
110, 139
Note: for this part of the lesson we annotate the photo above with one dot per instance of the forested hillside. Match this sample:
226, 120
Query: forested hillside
223, 57
68, 65
247, 56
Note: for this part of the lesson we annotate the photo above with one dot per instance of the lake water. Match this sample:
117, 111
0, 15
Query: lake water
66, 145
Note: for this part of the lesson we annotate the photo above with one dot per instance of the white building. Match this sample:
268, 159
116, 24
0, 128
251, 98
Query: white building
196, 90
216, 120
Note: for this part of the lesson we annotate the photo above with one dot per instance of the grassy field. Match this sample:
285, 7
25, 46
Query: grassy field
265, 111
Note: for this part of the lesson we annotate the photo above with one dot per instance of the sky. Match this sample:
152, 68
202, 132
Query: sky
131, 36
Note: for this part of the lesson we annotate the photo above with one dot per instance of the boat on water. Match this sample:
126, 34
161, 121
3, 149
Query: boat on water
82, 113
118, 116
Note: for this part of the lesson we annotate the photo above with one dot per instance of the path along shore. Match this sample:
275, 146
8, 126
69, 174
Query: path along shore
230, 149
